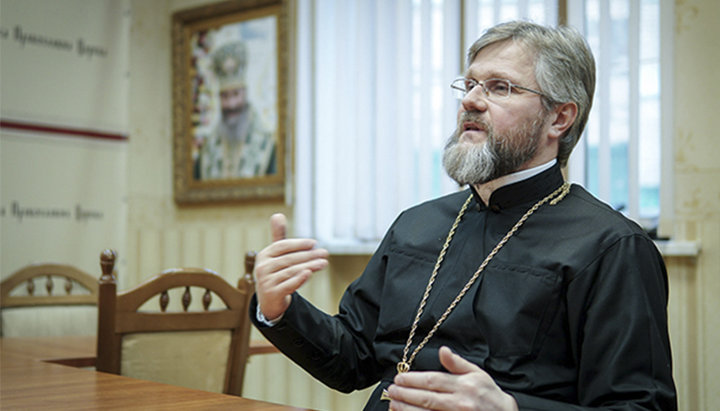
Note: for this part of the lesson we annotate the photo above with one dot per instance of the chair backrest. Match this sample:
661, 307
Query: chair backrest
74, 280
123, 316
48, 300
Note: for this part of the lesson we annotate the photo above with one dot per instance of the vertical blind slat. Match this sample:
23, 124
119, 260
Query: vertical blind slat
634, 90
604, 91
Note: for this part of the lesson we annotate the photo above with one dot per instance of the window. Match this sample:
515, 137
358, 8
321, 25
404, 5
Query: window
623, 144
374, 109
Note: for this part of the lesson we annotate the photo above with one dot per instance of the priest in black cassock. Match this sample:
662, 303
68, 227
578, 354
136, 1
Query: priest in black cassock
521, 292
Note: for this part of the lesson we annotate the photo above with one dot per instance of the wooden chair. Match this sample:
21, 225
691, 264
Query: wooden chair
122, 319
49, 273
24, 306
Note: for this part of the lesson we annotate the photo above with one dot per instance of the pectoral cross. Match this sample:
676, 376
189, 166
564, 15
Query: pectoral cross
402, 367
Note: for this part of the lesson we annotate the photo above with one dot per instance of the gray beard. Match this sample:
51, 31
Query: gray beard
236, 127
499, 155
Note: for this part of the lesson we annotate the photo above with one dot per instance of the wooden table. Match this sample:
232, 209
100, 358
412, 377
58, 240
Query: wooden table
38, 373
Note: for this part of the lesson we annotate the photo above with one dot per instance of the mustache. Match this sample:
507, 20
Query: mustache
470, 117
231, 111
236, 109
473, 117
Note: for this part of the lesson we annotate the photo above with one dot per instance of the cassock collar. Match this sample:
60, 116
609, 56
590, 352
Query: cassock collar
521, 192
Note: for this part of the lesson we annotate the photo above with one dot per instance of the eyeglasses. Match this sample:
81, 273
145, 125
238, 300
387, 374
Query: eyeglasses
494, 88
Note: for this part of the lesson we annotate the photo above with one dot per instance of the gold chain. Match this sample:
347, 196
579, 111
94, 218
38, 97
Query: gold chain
404, 365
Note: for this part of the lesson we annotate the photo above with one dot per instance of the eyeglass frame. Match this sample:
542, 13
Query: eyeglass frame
487, 92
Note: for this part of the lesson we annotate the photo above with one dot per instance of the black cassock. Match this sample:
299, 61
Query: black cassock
571, 313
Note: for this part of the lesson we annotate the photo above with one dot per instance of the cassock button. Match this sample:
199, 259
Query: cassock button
495, 208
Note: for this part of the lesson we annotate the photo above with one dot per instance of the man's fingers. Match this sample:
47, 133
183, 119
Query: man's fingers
278, 227
465, 384
411, 399
289, 284
439, 381
436, 381
455, 363
283, 254
288, 246
288, 272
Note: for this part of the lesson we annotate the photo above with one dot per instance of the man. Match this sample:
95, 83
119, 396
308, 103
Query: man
522, 292
240, 147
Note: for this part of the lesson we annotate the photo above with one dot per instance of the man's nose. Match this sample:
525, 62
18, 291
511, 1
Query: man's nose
475, 100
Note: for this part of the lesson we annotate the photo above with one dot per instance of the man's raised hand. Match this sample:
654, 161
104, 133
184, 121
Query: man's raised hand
284, 266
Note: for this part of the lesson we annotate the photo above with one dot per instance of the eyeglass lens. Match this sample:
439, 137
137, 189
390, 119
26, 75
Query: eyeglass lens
497, 88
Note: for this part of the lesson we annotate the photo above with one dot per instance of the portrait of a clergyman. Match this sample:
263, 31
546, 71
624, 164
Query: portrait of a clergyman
234, 118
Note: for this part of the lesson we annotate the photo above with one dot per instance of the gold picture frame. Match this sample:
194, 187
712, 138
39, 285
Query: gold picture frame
230, 91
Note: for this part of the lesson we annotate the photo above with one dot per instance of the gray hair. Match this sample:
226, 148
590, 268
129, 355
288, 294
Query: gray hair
564, 69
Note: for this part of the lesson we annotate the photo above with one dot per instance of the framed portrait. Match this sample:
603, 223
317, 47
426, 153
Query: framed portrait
229, 101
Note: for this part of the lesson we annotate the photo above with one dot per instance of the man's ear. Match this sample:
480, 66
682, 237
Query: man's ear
565, 115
